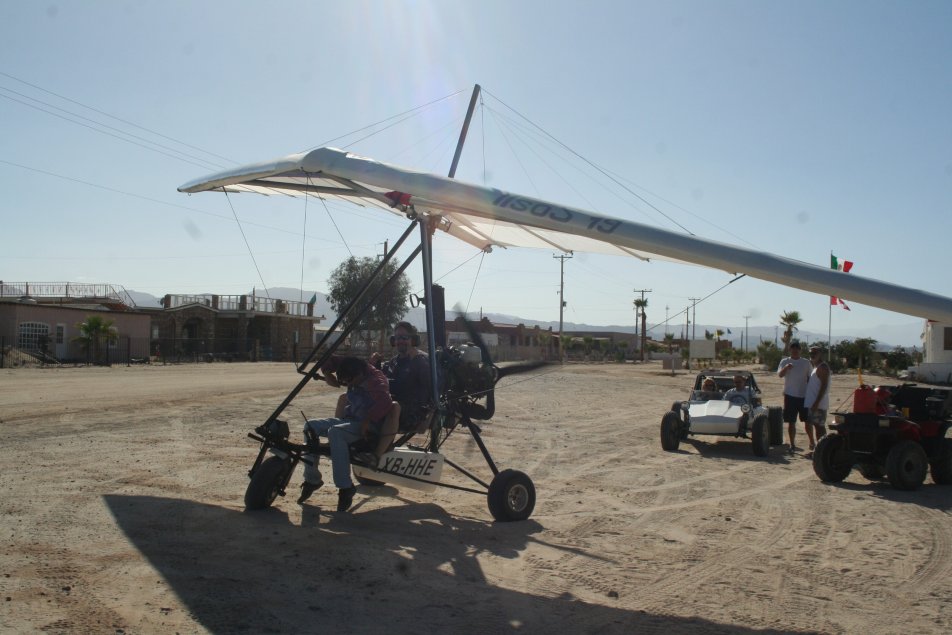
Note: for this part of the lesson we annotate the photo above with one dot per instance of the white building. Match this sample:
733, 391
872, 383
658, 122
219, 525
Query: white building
936, 366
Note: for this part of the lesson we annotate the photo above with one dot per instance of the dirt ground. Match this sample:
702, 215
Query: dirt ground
121, 512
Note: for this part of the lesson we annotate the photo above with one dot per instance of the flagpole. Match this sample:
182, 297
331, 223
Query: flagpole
829, 320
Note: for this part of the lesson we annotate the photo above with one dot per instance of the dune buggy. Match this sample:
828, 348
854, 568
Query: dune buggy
715, 412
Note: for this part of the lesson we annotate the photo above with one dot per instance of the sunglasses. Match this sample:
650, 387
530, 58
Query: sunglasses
401, 337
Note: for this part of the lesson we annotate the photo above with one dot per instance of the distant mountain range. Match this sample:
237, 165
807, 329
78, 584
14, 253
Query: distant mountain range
887, 337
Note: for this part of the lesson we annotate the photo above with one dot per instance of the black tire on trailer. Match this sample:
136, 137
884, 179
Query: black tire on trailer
266, 483
775, 421
906, 465
670, 431
760, 436
942, 465
871, 471
511, 496
832, 461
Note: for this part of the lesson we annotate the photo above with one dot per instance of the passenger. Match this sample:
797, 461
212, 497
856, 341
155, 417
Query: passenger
360, 413
740, 389
708, 389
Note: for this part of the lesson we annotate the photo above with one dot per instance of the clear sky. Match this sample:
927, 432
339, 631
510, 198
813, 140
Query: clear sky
797, 128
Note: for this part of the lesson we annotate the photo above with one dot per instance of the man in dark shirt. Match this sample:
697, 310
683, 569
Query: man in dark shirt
409, 375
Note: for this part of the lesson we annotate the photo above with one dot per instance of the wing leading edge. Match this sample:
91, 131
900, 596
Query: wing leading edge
487, 217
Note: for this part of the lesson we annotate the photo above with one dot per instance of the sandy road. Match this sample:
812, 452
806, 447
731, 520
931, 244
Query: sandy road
122, 512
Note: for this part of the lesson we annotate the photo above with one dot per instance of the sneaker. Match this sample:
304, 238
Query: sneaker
793, 449
345, 498
812, 446
307, 489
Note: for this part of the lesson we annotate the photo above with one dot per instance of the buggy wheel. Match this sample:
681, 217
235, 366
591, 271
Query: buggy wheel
775, 422
942, 465
832, 461
906, 465
760, 436
267, 482
670, 431
871, 471
511, 496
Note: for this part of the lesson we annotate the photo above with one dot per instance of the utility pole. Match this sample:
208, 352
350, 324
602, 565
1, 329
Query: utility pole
666, 318
694, 317
562, 258
640, 306
746, 336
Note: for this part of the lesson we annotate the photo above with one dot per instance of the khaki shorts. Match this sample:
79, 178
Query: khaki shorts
817, 418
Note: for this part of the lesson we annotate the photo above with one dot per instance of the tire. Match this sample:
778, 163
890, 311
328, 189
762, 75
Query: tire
670, 431
760, 436
871, 471
775, 422
511, 496
906, 465
266, 483
832, 461
942, 465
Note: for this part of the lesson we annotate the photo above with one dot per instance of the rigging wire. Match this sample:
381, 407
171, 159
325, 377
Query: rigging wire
247, 244
304, 241
367, 127
595, 166
333, 222
475, 279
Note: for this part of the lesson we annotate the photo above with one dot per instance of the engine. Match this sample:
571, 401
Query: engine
466, 381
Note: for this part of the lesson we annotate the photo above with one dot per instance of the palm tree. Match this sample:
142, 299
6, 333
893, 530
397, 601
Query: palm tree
669, 340
789, 321
92, 331
640, 305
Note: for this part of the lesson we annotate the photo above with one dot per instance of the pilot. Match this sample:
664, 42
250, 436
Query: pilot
409, 375
740, 389
360, 413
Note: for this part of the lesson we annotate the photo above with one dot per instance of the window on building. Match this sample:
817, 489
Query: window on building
60, 333
30, 335
947, 338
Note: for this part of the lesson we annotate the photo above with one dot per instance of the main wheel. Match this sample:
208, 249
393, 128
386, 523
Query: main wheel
775, 423
511, 496
906, 465
942, 464
670, 431
760, 435
266, 483
832, 461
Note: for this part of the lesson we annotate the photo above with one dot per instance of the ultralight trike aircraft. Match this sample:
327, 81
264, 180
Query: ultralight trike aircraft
486, 217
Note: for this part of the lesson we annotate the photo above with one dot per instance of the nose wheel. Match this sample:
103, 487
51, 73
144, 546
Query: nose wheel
511, 496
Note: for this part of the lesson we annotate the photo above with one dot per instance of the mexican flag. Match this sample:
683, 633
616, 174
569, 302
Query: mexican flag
844, 266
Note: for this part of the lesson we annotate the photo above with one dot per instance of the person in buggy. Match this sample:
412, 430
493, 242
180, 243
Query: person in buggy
740, 392
361, 413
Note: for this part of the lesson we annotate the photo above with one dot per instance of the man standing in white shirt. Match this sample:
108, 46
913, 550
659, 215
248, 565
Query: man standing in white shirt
795, 371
